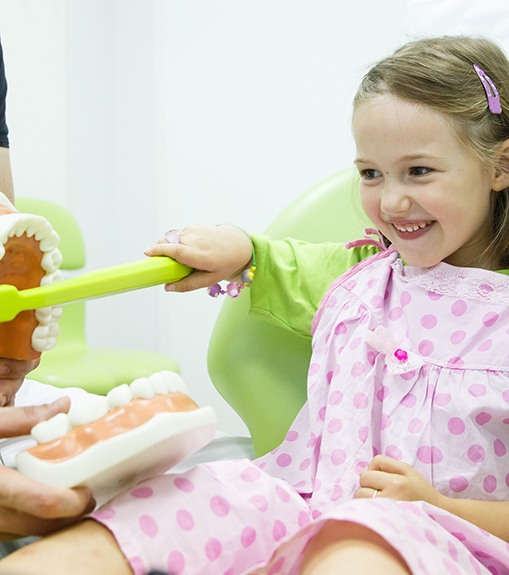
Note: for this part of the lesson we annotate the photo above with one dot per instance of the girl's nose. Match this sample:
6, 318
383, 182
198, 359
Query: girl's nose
394, 201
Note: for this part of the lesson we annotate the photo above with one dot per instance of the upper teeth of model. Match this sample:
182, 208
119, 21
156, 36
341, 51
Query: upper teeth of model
145, 387
15, 225
411, 227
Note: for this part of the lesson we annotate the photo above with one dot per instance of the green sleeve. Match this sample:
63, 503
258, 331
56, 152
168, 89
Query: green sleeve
292, 276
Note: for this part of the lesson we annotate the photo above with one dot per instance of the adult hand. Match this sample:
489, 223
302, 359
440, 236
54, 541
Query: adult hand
15, 421
31, 508
215, 253
12, 374
388, 477
26, 506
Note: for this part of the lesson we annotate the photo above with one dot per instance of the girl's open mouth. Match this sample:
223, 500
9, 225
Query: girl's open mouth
412, 230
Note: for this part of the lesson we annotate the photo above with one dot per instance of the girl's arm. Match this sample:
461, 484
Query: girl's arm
291, 275
398, 480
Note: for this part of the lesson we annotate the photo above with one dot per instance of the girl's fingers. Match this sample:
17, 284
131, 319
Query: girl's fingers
372, 479
183, 254
388, 464
196, 280
214, 252
178, 252
367, 492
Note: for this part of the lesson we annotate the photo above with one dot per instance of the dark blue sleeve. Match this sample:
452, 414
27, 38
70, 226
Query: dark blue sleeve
4, 131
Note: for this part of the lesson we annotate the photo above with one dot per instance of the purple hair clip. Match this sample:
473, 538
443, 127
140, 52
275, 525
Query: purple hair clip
490, 89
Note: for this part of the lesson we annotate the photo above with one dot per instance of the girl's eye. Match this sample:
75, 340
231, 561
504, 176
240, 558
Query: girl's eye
420, 171
370, 174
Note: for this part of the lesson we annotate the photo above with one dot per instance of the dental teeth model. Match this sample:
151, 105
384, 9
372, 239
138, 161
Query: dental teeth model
114, 441
28, 258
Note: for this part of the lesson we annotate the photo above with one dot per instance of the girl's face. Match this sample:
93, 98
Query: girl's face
420, 186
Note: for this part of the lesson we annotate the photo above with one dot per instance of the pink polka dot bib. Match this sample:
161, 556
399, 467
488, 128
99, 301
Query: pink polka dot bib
407, 362
412, 363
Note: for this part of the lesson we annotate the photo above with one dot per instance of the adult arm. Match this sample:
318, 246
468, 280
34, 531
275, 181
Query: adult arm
6, 185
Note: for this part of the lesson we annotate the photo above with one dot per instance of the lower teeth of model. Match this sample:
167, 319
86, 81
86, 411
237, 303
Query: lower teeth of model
145, 387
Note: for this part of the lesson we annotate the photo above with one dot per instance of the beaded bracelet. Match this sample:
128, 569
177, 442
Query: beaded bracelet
233, 289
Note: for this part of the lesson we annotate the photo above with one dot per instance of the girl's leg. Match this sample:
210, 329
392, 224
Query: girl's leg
350, 548
86, 548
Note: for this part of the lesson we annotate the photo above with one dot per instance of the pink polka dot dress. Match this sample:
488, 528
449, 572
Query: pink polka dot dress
408, 362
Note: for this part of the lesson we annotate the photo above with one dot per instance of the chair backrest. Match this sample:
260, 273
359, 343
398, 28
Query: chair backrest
72, 246
261, 369
64, 223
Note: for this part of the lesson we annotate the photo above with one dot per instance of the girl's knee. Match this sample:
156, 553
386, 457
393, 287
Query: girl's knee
346, 547
85, 548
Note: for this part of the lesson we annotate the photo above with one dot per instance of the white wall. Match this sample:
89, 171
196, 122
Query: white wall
144, 115
34, 39
254, 108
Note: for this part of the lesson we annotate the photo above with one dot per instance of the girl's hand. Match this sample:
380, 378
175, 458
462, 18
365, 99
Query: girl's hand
388, 477
215, 252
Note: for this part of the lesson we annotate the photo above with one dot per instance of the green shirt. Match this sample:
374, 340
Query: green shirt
292, 276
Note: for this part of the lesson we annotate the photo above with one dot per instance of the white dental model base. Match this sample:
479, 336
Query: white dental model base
113, 442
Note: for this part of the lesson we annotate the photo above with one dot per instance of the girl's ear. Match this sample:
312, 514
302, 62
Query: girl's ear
500, 180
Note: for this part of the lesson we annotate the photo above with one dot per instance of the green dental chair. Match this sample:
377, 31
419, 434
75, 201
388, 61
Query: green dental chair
261, 370
73, 363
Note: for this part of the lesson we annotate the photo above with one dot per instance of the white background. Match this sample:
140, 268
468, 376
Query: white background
145, 115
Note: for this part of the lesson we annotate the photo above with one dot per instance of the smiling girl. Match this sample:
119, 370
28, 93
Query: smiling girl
398, 462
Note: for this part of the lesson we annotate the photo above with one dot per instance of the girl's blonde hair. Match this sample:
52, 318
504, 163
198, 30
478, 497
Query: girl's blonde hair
439, 73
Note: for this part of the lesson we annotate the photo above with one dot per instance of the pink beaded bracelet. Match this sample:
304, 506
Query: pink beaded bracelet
233, 289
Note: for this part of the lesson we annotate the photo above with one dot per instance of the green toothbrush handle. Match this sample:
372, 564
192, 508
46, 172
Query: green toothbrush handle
117, 279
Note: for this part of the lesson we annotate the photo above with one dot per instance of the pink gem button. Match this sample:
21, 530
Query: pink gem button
401, 355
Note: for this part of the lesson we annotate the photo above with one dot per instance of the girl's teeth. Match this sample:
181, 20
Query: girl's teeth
413, 228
